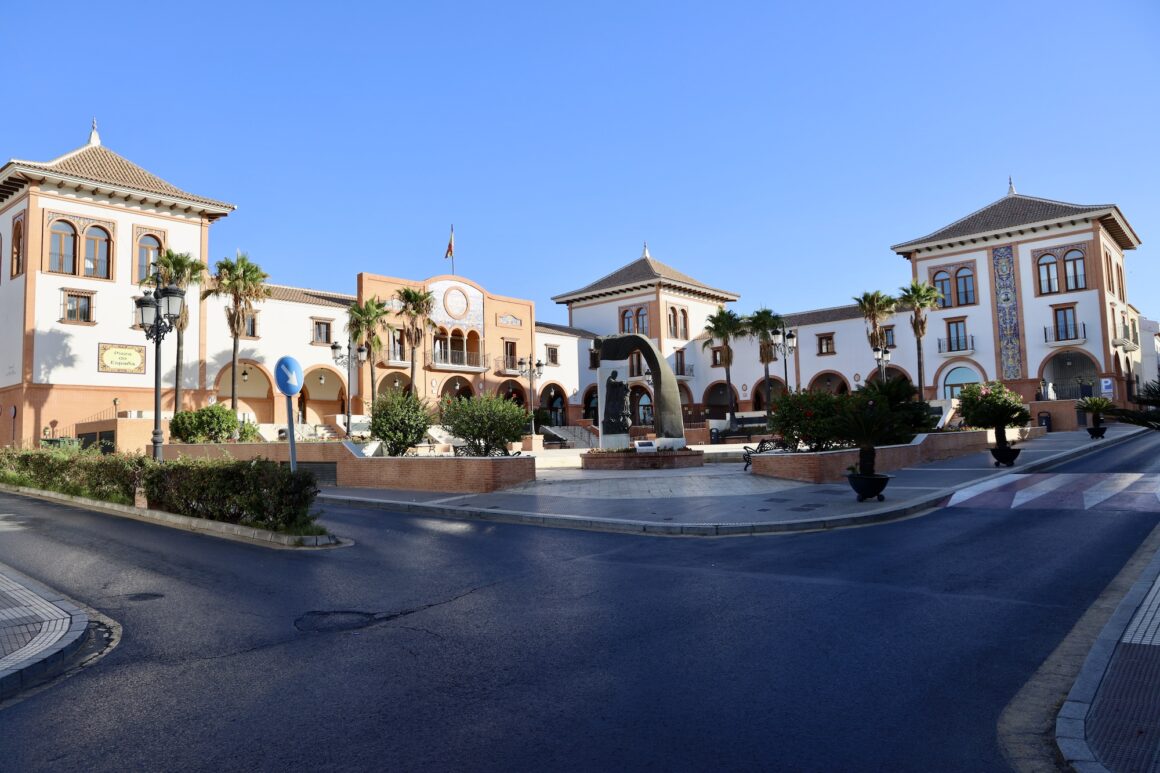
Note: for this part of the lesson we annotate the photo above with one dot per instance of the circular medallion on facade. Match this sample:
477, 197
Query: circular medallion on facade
455, 303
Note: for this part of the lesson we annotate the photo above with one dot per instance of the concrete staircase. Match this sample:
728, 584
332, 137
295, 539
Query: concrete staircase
577, 437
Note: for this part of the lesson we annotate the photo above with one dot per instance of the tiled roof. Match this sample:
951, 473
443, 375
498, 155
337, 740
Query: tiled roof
550, 327
818, 316
312, 297
1011, 211
643, 271
98, 164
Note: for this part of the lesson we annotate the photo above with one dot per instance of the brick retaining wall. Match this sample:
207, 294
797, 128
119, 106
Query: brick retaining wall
454, 474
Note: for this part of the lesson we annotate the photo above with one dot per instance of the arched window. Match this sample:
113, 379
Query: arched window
684, 324
644, 410
1073, 271
62, 250
98, 246
1048, 275
942, 283
18, 249
626, 321
956, 379
148, 248
642, 321
964, 287
674, 325
635, 364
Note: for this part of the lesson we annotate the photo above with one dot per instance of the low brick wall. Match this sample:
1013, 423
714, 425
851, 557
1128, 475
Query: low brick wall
675, 460
830, 466
453, 474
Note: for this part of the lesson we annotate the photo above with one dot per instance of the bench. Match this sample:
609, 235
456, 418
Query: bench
763, 447
463, 451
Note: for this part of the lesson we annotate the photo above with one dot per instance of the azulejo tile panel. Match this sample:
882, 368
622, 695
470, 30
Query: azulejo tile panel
1007, 309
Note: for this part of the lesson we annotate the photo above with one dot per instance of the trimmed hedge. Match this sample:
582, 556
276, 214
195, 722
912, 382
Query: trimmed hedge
109, 478
259, 493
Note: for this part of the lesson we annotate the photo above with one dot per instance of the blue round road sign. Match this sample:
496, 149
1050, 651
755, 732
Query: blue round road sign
288, 376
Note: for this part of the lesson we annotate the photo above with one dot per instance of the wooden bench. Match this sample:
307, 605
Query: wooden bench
764, 446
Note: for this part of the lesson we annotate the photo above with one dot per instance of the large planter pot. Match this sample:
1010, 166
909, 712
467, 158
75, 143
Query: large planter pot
1097, 433
1005, 455
868, 486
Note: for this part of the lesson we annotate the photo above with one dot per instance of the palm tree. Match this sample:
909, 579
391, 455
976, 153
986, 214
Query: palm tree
726, 326
244, 284
364, 321
762, 324
876, 307
919, 297
181, 269
417, 305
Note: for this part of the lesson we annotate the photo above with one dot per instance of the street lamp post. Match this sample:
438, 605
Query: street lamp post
531, 372
882, 357
346, 360
157, 312
784, 343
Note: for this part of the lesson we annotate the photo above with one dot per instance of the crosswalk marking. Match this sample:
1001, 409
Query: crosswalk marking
1138, 492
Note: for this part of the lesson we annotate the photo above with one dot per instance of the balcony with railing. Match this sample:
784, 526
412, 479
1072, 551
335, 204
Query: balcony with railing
1126, 339
1065, 335
687, 370
457, 359
509, 366
395, 355
956, 345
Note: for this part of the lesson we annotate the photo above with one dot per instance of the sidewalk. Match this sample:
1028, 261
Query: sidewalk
39, 630
719, 498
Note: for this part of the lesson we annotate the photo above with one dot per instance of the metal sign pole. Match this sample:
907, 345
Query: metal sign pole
290, 433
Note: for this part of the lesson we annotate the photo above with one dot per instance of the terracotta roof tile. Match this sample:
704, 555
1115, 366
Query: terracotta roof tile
312, 297
98, 164
551, 327
1011, 211
644, 270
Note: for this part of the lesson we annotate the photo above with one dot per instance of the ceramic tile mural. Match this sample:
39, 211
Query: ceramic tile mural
1007, 309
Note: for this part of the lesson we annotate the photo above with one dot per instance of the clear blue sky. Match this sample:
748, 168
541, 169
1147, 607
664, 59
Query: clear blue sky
773, 149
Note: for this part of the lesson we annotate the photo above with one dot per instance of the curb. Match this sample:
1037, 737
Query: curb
651, 528
199, 525
1071, 722
52, 660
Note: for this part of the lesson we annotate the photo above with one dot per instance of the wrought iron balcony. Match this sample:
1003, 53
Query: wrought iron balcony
507, 365
395, 355
964, 344
1126, 340
1065, 335
688, 370
456, 359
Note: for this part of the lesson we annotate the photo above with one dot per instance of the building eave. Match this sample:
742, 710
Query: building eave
1000, 235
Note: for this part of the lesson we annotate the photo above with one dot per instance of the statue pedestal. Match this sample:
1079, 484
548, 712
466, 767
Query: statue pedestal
615, 441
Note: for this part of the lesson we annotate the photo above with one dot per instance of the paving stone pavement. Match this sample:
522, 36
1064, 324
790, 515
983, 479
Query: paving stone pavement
39, 629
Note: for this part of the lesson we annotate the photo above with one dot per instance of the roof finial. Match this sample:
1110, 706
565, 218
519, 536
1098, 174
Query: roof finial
94, 135
645, 253
1010, 186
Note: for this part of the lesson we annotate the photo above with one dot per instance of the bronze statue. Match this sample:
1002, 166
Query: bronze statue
617, 416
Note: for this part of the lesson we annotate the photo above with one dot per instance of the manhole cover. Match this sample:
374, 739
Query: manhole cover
323, 622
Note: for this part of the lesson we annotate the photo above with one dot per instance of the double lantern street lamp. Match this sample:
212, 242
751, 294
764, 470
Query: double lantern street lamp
531, 372
157, 314
882, 357
784, 342
346, 360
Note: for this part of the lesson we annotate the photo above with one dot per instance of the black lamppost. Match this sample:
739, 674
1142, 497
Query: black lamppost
346, 360
784, 343
156, 314
531, 372
882, 357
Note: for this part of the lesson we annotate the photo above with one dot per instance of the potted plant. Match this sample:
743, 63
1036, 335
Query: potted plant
1097, 407
994, 406
866, 422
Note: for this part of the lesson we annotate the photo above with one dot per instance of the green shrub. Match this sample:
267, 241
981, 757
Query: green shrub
487, 423
1096, 406
212, 424
248, 433
400, 420
258, 493
909, 416
994, 406
807, 418
109, 478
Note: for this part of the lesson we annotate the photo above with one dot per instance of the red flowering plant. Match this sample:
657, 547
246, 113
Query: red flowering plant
807, 418
995, 406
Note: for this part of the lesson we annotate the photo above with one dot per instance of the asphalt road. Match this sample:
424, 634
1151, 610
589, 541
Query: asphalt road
444, 645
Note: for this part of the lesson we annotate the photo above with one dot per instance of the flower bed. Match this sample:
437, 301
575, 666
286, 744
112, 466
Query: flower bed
631, 460
831, 466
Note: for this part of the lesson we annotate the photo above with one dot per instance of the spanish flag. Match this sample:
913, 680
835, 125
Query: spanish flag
450, 245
